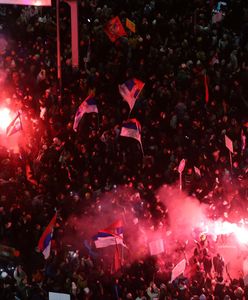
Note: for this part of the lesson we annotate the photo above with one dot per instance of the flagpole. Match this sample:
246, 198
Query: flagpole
59, 77
230, 155
180, 181
142, 150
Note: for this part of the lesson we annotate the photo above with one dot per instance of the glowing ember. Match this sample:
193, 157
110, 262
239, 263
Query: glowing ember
5, 118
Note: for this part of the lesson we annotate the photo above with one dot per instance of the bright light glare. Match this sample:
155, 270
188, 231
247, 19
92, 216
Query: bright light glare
5, 118
219, 227
241, 235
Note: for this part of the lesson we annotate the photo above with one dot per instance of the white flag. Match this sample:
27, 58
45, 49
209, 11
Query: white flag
181, 166
229, 143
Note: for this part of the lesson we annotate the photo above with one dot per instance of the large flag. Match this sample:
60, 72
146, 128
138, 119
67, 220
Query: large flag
130, 91
45, 241
206, 88
112, 235
132, 129
14, 126
87, 106
27, 2
114, 29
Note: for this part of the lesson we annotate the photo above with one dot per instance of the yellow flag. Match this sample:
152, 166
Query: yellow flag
130, 25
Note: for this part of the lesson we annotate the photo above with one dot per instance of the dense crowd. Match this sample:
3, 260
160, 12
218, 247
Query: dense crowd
175, 45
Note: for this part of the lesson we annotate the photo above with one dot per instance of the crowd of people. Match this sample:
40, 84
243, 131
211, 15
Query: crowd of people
176, 43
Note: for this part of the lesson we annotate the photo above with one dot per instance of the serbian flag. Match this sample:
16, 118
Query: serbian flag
114, 29
206, 88
132, 129
87, 106
112, 235
130, 91
45, 241
27, 2
14, 126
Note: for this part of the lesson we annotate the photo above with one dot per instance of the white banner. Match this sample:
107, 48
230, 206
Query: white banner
27, 2
178, 269
59, 296
156, 247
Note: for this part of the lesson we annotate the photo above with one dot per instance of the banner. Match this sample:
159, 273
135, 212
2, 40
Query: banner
59, 296
27, 2
156, 247
178, 269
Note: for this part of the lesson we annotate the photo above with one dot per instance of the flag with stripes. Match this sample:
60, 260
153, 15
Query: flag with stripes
132, 129
130, 91
15, 125
27, 2
45, 241
112, 235
87, 106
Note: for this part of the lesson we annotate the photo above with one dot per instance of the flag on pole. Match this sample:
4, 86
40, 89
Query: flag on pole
87, 106
132, 129
197, 171
130, 91
27, 2
45, 241
206, 88
181, 165
130, 25
229, 143
114, 29
112, 235
14, 126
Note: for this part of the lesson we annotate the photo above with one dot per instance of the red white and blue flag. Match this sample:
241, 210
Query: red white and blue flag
14, 126
45, 241
132, 129
86, 107
112, 235
27, 2
130, 91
